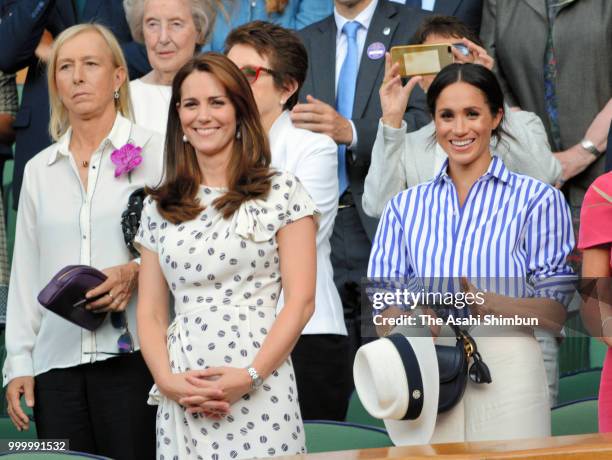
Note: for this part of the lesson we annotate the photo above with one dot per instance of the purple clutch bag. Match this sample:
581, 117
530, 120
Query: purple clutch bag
65, 295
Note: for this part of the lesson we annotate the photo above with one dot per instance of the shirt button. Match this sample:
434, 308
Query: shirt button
84, 237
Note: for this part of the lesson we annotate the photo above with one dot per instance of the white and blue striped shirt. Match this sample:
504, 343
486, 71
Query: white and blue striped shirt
511, 236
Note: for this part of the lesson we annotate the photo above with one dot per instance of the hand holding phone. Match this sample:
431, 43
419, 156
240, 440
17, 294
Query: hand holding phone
393, 95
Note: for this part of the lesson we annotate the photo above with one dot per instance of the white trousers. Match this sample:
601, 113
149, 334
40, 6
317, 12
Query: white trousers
515, 405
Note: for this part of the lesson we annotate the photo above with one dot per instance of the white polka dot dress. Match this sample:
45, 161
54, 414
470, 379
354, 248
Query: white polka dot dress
225, 277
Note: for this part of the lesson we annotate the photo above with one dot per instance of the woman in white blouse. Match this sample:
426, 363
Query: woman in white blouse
82, 385
171, 30
275, 63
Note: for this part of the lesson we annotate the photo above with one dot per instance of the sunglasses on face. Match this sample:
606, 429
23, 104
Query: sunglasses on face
252, 73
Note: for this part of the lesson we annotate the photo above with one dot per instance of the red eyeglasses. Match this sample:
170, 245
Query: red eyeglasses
253, 73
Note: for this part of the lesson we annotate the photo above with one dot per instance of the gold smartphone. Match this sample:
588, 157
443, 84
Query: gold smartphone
422, 59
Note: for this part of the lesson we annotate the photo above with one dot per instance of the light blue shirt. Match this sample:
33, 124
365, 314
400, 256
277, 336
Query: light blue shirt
511, 236
297, 15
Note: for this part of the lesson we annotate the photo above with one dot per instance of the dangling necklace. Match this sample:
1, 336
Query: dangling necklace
82, 163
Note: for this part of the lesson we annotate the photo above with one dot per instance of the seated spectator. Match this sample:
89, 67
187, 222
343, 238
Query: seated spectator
275, 62
401, 160
172, 31
88, 387
291, 14
27, 31
444, 229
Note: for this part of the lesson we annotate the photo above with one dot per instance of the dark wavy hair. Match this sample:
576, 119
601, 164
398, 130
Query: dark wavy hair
475, 75
249, 168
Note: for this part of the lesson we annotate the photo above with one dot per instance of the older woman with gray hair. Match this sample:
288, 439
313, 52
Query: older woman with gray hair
171, 30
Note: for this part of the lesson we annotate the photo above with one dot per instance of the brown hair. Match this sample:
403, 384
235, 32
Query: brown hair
446, 26
248, 171
286, 52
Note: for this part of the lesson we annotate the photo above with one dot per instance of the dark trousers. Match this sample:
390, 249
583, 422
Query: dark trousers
101, 407
323, 374
350, 253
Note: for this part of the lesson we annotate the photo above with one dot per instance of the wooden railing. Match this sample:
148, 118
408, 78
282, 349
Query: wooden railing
580, 447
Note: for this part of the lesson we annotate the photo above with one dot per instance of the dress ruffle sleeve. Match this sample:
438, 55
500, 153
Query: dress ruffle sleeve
287, 201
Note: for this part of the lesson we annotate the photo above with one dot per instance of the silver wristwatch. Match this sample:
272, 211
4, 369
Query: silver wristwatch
590, 147
256, 380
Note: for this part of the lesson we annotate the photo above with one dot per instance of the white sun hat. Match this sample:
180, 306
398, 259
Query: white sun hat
397, 380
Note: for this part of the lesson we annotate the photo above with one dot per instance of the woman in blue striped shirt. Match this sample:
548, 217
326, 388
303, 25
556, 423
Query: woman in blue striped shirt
507, 233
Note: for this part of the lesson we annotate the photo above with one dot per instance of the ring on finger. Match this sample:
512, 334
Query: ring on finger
110, 295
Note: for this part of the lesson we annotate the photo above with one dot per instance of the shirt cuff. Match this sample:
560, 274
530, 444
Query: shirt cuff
393, 134
17, 366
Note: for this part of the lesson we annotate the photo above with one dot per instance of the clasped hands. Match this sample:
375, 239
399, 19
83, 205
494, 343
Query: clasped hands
209, 392
484, 304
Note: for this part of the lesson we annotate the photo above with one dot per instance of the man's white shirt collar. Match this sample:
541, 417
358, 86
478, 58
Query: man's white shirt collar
364, 18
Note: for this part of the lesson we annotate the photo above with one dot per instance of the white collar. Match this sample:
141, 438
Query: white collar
117, 137
283, 120
364, 18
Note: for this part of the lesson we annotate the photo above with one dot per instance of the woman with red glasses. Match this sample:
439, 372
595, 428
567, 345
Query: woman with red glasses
275, 62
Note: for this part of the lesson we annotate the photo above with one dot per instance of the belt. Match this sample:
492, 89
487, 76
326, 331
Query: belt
346, 200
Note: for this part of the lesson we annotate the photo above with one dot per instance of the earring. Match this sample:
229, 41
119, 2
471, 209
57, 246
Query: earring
116, 94
238, 134
184, 138
282, 102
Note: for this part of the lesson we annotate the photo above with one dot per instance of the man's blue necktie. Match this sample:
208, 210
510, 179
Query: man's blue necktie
414, 3
347, 81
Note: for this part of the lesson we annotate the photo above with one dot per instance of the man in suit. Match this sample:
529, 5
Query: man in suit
467, 11
27, 29
347, 55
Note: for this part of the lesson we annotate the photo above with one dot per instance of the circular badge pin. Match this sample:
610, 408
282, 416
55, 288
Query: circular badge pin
376, 50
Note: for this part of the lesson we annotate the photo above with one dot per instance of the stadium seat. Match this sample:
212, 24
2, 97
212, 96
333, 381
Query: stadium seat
328, 436
576, 417
579, 385
358, 414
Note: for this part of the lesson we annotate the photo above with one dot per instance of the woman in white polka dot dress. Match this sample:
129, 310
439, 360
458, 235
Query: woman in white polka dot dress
224, 232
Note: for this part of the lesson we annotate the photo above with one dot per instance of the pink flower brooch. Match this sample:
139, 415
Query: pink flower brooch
126, 159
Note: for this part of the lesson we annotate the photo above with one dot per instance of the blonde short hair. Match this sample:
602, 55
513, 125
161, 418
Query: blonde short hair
59, 122
202, 11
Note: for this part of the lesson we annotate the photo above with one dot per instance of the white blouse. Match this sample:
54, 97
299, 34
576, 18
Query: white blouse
313, 158
150, 104
60, 223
